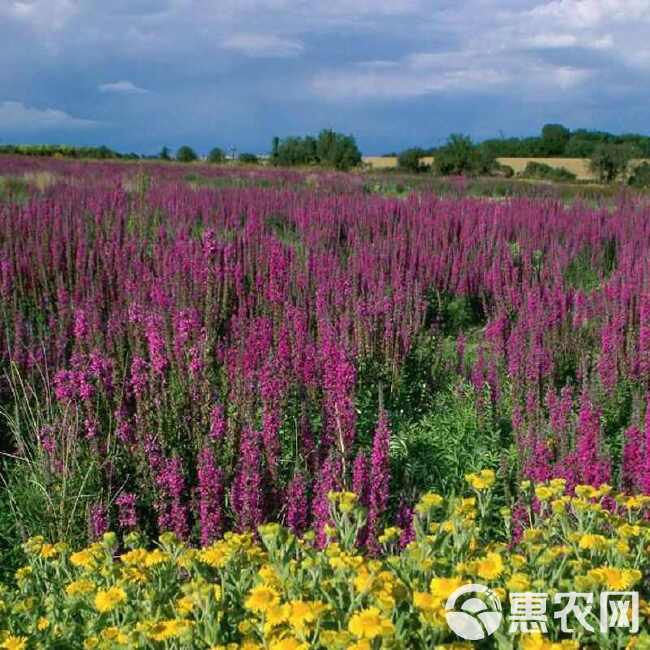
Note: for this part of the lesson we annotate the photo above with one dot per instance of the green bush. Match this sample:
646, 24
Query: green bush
410, 160
186, 154
216, 155
611, 161
460, 156
330, 149
641, 176
545, 172
248, 158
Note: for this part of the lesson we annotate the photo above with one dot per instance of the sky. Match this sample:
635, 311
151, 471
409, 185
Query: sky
139, 74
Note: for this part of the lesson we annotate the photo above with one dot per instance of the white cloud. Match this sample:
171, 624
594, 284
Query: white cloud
16, 116
122, 87
263, 45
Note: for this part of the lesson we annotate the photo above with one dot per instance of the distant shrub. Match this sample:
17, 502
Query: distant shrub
503, 170
248, 158
460, 156
216, 155
545, 172
186, 154
330, 149
410, 160
641, 176
611, 161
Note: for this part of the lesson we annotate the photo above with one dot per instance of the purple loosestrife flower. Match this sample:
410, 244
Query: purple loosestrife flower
126, 513
156, 345
217, 423
139, 376
644, 339
98, 521
172, 515
634, 459
361, 478
379, 480
644, 483
297, 504
404, 521
211, 493
247, 496
328, 481
80, 328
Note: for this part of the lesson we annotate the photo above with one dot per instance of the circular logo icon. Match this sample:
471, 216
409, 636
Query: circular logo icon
476, 618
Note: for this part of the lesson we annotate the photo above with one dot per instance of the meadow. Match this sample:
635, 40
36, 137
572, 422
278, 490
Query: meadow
263, 408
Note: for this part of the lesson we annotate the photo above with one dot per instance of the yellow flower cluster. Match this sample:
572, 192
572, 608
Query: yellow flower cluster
275, 591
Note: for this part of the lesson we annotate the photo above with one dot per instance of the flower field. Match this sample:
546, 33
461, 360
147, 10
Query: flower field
258, 408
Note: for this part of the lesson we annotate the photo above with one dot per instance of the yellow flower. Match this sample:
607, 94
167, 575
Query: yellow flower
115, 635
288, 644
518, 582
84, 559
361, 644
369, 623
275, 615
390, 535
428, 502
543, 493
23, 573
614, 578
108, 599
185, 605
262, 598
163, 630
214, 556
442, 588
48, 551
42, 624
134, 557
80, 587
14, 643
490, 567
482, 480
593, 543
155, 557
303, 613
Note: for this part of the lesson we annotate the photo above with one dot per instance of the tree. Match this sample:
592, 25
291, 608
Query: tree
216, 155
165, 153
554, 139
337, 150
458, 156
186, 154
410, 160
330, 149
610, 161
248, 158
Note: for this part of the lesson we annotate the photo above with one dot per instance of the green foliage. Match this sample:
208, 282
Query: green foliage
38, 496
165, 153
460, 156
611, 161
451, 440
330, 149
62, 151
545, 172
640, 177
410, 160
248, 158
186, 154
554, 139
216, 155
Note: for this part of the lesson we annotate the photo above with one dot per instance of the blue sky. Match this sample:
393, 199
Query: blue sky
137, 74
